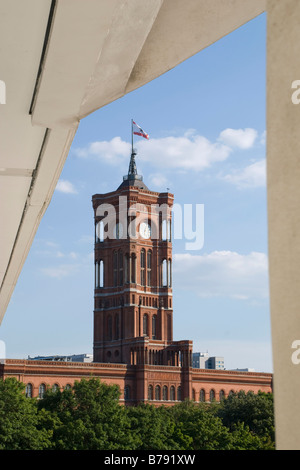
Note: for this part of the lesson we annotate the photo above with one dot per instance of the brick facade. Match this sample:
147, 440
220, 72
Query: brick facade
136, 382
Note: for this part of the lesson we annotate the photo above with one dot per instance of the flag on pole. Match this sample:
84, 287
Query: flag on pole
137, 130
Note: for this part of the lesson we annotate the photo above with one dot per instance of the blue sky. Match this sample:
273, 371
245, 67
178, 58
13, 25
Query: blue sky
206, 121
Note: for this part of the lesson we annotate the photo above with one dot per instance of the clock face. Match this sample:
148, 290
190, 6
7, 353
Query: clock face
145, 230
118, 231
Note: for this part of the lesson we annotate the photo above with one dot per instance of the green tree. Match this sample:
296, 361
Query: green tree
198, 423
21, 425
154, 428
255, 411
88, 417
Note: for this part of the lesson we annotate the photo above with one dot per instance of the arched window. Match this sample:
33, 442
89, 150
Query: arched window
164, 273
115, 267
166, 230
121, 268
101, 273
127, 392
172, 393
149, 267
150, 392
169, 230
28, 391
133, 268
169, 327
154, 321
143, 279
99, 231
179, 393
165, 393
221, 395
55, 388
68, 387
202, 395
169, 280
194, 394
42, 390
157, 392
212, 395
126, 269
145, 324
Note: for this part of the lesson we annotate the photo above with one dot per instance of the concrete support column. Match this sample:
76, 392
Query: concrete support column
283, 183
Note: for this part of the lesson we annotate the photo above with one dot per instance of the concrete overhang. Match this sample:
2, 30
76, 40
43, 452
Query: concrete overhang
60, 61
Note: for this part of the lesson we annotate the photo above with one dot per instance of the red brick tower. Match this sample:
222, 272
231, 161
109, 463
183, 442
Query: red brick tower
133, 311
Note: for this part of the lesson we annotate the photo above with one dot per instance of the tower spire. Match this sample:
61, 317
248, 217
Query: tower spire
132, 170
133, 178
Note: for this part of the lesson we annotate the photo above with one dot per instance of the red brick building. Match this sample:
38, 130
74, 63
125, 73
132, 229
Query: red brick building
133, 311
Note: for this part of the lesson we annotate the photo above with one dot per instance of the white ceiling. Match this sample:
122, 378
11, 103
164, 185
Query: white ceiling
61, 60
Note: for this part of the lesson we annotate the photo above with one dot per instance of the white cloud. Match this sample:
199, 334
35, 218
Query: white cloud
223, 274
158, 180
66, 187
188, 152
111, 151
241, 138
61, 271
252, 176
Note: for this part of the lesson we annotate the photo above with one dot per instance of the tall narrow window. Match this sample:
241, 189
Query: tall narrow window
149, 267
143, 267
202, 395
164, 230
164, 273
28, 391
165, 392
127, 392
157, 392
154, 327
169, 230
133, 268
99, 231
42, 390
145, 325
150, 392
172, 393
101, 274
169, 273
120, 268
115, 266
169, 327
126, 269
179, 393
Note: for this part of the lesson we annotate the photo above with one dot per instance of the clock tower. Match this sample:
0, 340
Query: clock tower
133, 311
